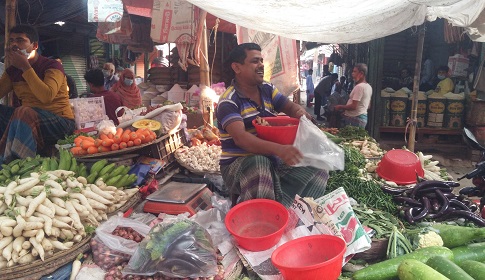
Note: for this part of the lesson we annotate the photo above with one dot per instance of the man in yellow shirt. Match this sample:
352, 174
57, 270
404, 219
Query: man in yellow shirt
445, 84
40, 84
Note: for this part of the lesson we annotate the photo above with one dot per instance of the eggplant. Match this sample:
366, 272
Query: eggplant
392, 190
455, 203
445, 204
407, 200
473, 207
408, 215
467, 215
435, 205
432, 184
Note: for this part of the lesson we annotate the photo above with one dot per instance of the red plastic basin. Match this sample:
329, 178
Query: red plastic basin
257, 224
315, 257
400, 166
282, 129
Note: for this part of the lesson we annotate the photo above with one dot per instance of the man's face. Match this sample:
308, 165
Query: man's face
252, 71
20, 41
110, 71
356, 74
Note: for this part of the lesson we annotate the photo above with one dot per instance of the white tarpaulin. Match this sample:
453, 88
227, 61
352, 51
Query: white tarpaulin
348, 21
280, 57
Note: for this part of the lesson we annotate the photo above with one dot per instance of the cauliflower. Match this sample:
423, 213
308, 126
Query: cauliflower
428, 239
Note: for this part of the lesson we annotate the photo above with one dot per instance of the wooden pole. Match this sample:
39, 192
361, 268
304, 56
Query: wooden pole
207, 105
417, 74
10, 11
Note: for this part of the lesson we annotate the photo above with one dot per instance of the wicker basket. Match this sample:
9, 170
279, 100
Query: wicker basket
376, 252
39, 268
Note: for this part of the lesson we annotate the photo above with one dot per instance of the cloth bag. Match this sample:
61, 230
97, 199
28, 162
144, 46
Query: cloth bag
318, 151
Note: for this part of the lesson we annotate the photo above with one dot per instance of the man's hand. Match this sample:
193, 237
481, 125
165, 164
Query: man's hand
18, 60
289, 154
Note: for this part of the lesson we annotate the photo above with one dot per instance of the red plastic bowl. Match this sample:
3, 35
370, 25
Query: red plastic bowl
282, 130
317, 257
400, 166
257, 224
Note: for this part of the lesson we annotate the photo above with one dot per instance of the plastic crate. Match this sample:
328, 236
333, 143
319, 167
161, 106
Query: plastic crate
164, 148
88, 112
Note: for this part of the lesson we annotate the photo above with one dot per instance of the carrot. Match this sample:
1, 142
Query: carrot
125, 137
85, 137
142, 137
123, 145
78, 141
85, 144
137, 142
126, 132
76, 150
146, 140
103, 136
103, 149
119, 132
98, 142
115, 147
92, 150
130, 143
107, 142
117, 139
111, 135
133, 135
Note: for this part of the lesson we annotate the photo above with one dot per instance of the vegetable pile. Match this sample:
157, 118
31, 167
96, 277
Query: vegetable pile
50, 210
201, 157
121, 139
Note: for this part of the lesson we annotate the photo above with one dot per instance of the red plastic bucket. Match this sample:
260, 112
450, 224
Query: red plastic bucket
257, 224
315, 257
282, 129
400, 166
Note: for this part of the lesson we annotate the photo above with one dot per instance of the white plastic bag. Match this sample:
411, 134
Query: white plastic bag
318, 151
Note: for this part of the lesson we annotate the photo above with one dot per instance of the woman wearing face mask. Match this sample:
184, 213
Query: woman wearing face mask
445, 84
126, 87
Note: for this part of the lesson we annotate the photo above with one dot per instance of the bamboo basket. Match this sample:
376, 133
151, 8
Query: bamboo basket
39, 268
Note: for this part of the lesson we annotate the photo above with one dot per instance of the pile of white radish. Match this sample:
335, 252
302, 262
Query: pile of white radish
49, 212
368, 148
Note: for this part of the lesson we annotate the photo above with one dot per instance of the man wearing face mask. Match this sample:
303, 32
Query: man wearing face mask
445, 84
40, 83
109, 75
126, 87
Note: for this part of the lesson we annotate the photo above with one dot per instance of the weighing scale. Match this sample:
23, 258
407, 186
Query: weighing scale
179, 197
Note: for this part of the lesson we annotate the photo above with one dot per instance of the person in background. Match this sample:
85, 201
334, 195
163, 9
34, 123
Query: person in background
45, 115
355, 113
109, 75
127, 89
252, 167
405, 80
71, 84
445, 84
309, 88
426, 81
339, 96
95, 79
322, 92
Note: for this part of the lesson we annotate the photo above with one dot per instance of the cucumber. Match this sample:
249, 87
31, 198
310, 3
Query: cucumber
388, 269
416, 270
474, 252
448, 268
474, 269
455, 236
97, 166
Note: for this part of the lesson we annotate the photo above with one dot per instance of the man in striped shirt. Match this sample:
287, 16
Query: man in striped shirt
252, 167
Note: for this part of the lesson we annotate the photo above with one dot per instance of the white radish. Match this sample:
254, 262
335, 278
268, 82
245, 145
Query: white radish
74, 215
3, 207
35, 203
30, 233
60, 211
10, 263
97, 205
58, 193
95, 189
55, 232
33, 225
92, 195
6, 230
26, 259
35, 218
17, 230
7, 251
8, 195
17, 243
77, 238
66, 219
3, 264
26, 245
62, 174
66, 234
53, 184
34, 252
5, 241
15, 256
24, 201
47, 202
36, 189
79, 208
76, 267
59, 202
37, 247
26, 185
46, 244
40, 235
3, 189
59, 224
59, 245
21, 210
47, 223
84, 201
41, 208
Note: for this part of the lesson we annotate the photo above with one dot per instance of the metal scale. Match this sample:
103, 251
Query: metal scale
179, 197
